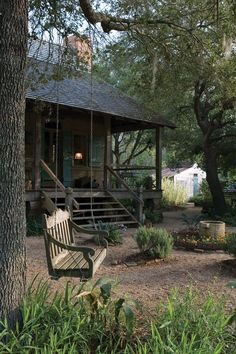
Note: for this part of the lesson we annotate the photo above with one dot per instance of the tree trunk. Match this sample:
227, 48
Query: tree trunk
13, 50
213, 180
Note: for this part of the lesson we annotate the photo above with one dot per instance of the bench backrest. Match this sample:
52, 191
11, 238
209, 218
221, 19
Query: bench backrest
58, 226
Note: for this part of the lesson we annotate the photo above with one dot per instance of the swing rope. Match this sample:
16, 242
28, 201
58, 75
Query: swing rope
59, 63
91, 39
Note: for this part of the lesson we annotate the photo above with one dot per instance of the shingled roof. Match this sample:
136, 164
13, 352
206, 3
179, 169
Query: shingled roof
76, 92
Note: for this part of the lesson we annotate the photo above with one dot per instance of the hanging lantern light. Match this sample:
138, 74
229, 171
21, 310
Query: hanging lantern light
78, 156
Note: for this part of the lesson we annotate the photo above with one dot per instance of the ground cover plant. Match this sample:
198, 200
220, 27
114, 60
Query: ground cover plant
114, 232
154, 243
80, 320
185, 326
89, 320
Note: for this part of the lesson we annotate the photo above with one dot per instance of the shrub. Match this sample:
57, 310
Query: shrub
230, 218
157, 243
198, 200
231, 244
154, 216
114, 232
205, 191
173, 195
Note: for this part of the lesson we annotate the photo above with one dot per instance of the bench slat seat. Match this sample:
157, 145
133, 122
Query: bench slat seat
64, 257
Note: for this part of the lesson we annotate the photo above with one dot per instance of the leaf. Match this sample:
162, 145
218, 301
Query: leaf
118, 306
106, 291
165, 324
129, 318
84, 294
101, 281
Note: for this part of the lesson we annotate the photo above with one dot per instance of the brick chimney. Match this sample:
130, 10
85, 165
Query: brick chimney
83, 48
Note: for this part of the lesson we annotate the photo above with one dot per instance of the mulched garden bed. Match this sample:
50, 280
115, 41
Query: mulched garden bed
141, 258
206, 246
189, 240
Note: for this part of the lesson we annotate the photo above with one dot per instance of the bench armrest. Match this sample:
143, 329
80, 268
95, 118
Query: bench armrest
85, 250
102, 233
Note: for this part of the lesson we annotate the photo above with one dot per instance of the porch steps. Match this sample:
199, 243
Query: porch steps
101, 208
125, 223
105, 209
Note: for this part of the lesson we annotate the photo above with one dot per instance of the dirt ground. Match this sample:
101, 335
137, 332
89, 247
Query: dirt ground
152, 282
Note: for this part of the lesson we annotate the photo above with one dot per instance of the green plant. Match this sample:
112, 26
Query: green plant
128, 204
230, 218
231, 244
83, 319
157, 243
34, 226
114, 232
198, 200
155, 216
88, 319
173, 194
205, 191
184, 325
191, 221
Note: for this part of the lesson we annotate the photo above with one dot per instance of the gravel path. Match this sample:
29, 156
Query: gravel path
152, 282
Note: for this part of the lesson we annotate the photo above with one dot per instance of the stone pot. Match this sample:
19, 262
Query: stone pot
212, 229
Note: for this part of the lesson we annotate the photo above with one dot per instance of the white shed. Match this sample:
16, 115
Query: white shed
189, 177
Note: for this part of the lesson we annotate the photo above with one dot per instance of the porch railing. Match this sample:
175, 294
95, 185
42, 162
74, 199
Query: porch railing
70, 201
47, 169
123, 183
136, 197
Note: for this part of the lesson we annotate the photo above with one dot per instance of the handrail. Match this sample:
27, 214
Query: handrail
52, 175
67, 191
124, 184
134, 168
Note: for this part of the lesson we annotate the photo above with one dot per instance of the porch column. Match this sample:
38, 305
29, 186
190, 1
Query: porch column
158, 159
37, 152
107, 150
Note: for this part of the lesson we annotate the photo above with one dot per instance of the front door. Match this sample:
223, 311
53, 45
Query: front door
195, 184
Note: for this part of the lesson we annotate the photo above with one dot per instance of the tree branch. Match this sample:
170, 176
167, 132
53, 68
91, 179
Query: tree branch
110, 23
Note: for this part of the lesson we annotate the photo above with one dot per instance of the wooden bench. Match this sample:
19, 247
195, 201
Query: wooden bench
64, 257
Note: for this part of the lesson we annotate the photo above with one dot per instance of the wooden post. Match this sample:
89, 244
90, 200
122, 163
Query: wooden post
158, 159
107, 151
140, 205
69, 200
37, 152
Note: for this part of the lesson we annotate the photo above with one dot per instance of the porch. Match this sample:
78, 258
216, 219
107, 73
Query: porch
66, 155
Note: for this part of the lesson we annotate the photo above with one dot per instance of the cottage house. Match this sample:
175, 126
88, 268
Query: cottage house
69, 124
